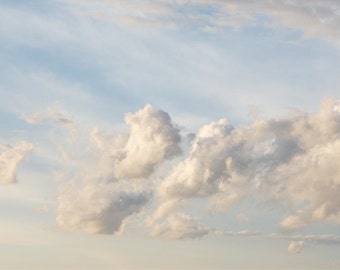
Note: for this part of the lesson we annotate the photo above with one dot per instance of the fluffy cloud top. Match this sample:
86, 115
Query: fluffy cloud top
153, 138
10, 157
106, 188
292, 160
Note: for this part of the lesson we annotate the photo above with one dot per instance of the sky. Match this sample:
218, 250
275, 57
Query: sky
169, 134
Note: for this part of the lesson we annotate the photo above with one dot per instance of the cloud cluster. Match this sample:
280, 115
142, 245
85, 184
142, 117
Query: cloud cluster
107, 187
313, 18
10, 157
292, 160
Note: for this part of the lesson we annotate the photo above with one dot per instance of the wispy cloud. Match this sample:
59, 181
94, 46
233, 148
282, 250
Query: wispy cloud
312, 18
51, 115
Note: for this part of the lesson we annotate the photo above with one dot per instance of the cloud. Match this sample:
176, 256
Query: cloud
177, 226
108, 185
152, 139
10, 157
295, 247
97, 207
292, 160
51, 115
243, 233
202, 172
313, 18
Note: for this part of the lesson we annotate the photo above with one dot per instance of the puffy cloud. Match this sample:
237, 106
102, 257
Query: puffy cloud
10, 157
108, 186
225, 162
292, 160
311, 181
204, 170
295, 246
96, 207
152, 139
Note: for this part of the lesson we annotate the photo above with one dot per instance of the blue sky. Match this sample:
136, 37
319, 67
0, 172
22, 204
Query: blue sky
160, 134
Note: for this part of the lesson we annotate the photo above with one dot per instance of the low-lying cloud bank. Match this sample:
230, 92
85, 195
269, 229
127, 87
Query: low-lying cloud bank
291, 160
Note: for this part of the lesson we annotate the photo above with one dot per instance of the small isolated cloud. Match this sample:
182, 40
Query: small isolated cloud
10, 157
53, 116
152, 139
295, 247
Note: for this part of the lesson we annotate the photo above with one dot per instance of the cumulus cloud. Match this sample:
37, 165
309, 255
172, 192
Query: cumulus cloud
152, 139
96, 207
225, 161
10, 157
108, 186
292, 160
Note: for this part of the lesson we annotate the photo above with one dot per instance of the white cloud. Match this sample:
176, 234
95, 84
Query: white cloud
313, 18
10, 157
292, 160
51, 115
204, 170
295, 247
152, 139
108, 183
96, 207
